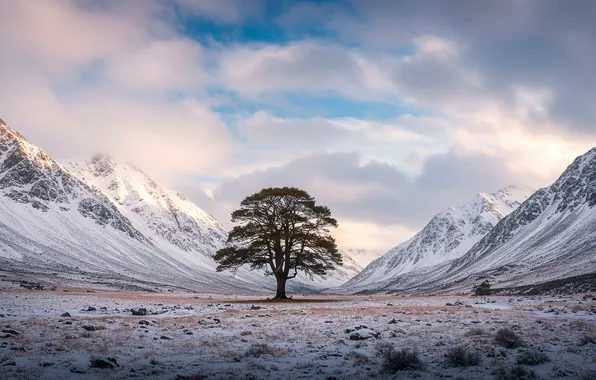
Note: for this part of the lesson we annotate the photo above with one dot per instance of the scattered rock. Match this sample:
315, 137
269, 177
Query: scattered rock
32, 285
328, 321
91, 308
393, 321
11, 332
107, 363
143, 322
362, 332
93, 327
245, 333
163, 337
209, 321
77, 370
140, 311
8, 362
253, 307
66, 315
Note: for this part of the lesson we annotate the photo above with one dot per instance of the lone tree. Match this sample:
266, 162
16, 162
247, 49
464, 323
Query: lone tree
283, 231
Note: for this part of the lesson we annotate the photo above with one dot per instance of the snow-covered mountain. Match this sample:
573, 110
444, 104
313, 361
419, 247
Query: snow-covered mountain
447, 236
102, 220
53, 223
165, 218
551, 236
168, 218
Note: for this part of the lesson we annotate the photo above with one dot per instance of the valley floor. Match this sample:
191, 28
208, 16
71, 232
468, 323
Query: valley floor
189, 336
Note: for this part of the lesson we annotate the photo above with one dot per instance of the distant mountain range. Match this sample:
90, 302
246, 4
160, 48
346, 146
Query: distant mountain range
447, 236
549, 237
109, 223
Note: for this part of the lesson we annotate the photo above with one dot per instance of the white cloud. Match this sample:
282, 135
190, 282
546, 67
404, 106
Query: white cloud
437, 46
374, 237
302, 66
97, 79
162, 65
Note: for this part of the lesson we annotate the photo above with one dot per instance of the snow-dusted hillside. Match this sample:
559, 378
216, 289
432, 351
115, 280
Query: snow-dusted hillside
551, 236
168, 218
165, 218
102, 221
447, 236
52, 222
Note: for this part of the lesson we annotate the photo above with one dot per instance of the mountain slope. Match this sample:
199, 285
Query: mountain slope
162, 216
53, 222
551, 236
447, 236
172, 222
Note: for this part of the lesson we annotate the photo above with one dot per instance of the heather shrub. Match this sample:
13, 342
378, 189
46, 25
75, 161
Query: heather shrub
461, 356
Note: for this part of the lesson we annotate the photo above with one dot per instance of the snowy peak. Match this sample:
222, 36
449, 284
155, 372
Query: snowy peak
573, 191
14, 147
167, 218
447, 236
29, 176
577, 185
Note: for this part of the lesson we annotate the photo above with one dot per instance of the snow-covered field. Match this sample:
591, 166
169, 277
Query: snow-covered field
233, 337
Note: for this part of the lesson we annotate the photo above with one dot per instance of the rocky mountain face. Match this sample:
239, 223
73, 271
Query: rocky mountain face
159, 214
447, 236
101, 221
52, 223
549, 239
30, 177
550, 236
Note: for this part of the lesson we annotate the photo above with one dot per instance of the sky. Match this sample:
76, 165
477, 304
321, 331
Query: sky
386, 111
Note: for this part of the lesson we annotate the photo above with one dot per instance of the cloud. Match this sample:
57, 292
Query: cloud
274, 133
91, 77
432, 75
508, 44
301, 66
223, 11
162, 65
378, 192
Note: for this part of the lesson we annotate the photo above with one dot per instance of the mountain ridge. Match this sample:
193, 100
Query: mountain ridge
551, 236
448, 235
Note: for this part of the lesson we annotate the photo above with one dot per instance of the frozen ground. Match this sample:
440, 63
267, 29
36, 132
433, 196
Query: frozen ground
217, 337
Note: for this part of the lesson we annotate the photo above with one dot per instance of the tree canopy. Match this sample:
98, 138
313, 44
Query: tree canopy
283, 231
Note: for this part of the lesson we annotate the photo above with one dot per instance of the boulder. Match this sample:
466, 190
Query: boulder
140, 311
362, 332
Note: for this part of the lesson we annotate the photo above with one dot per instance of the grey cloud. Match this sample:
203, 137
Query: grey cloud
303, 66
388, 195
263, 130
531, 43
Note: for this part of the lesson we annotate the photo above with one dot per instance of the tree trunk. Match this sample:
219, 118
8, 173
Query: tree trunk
281, 288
